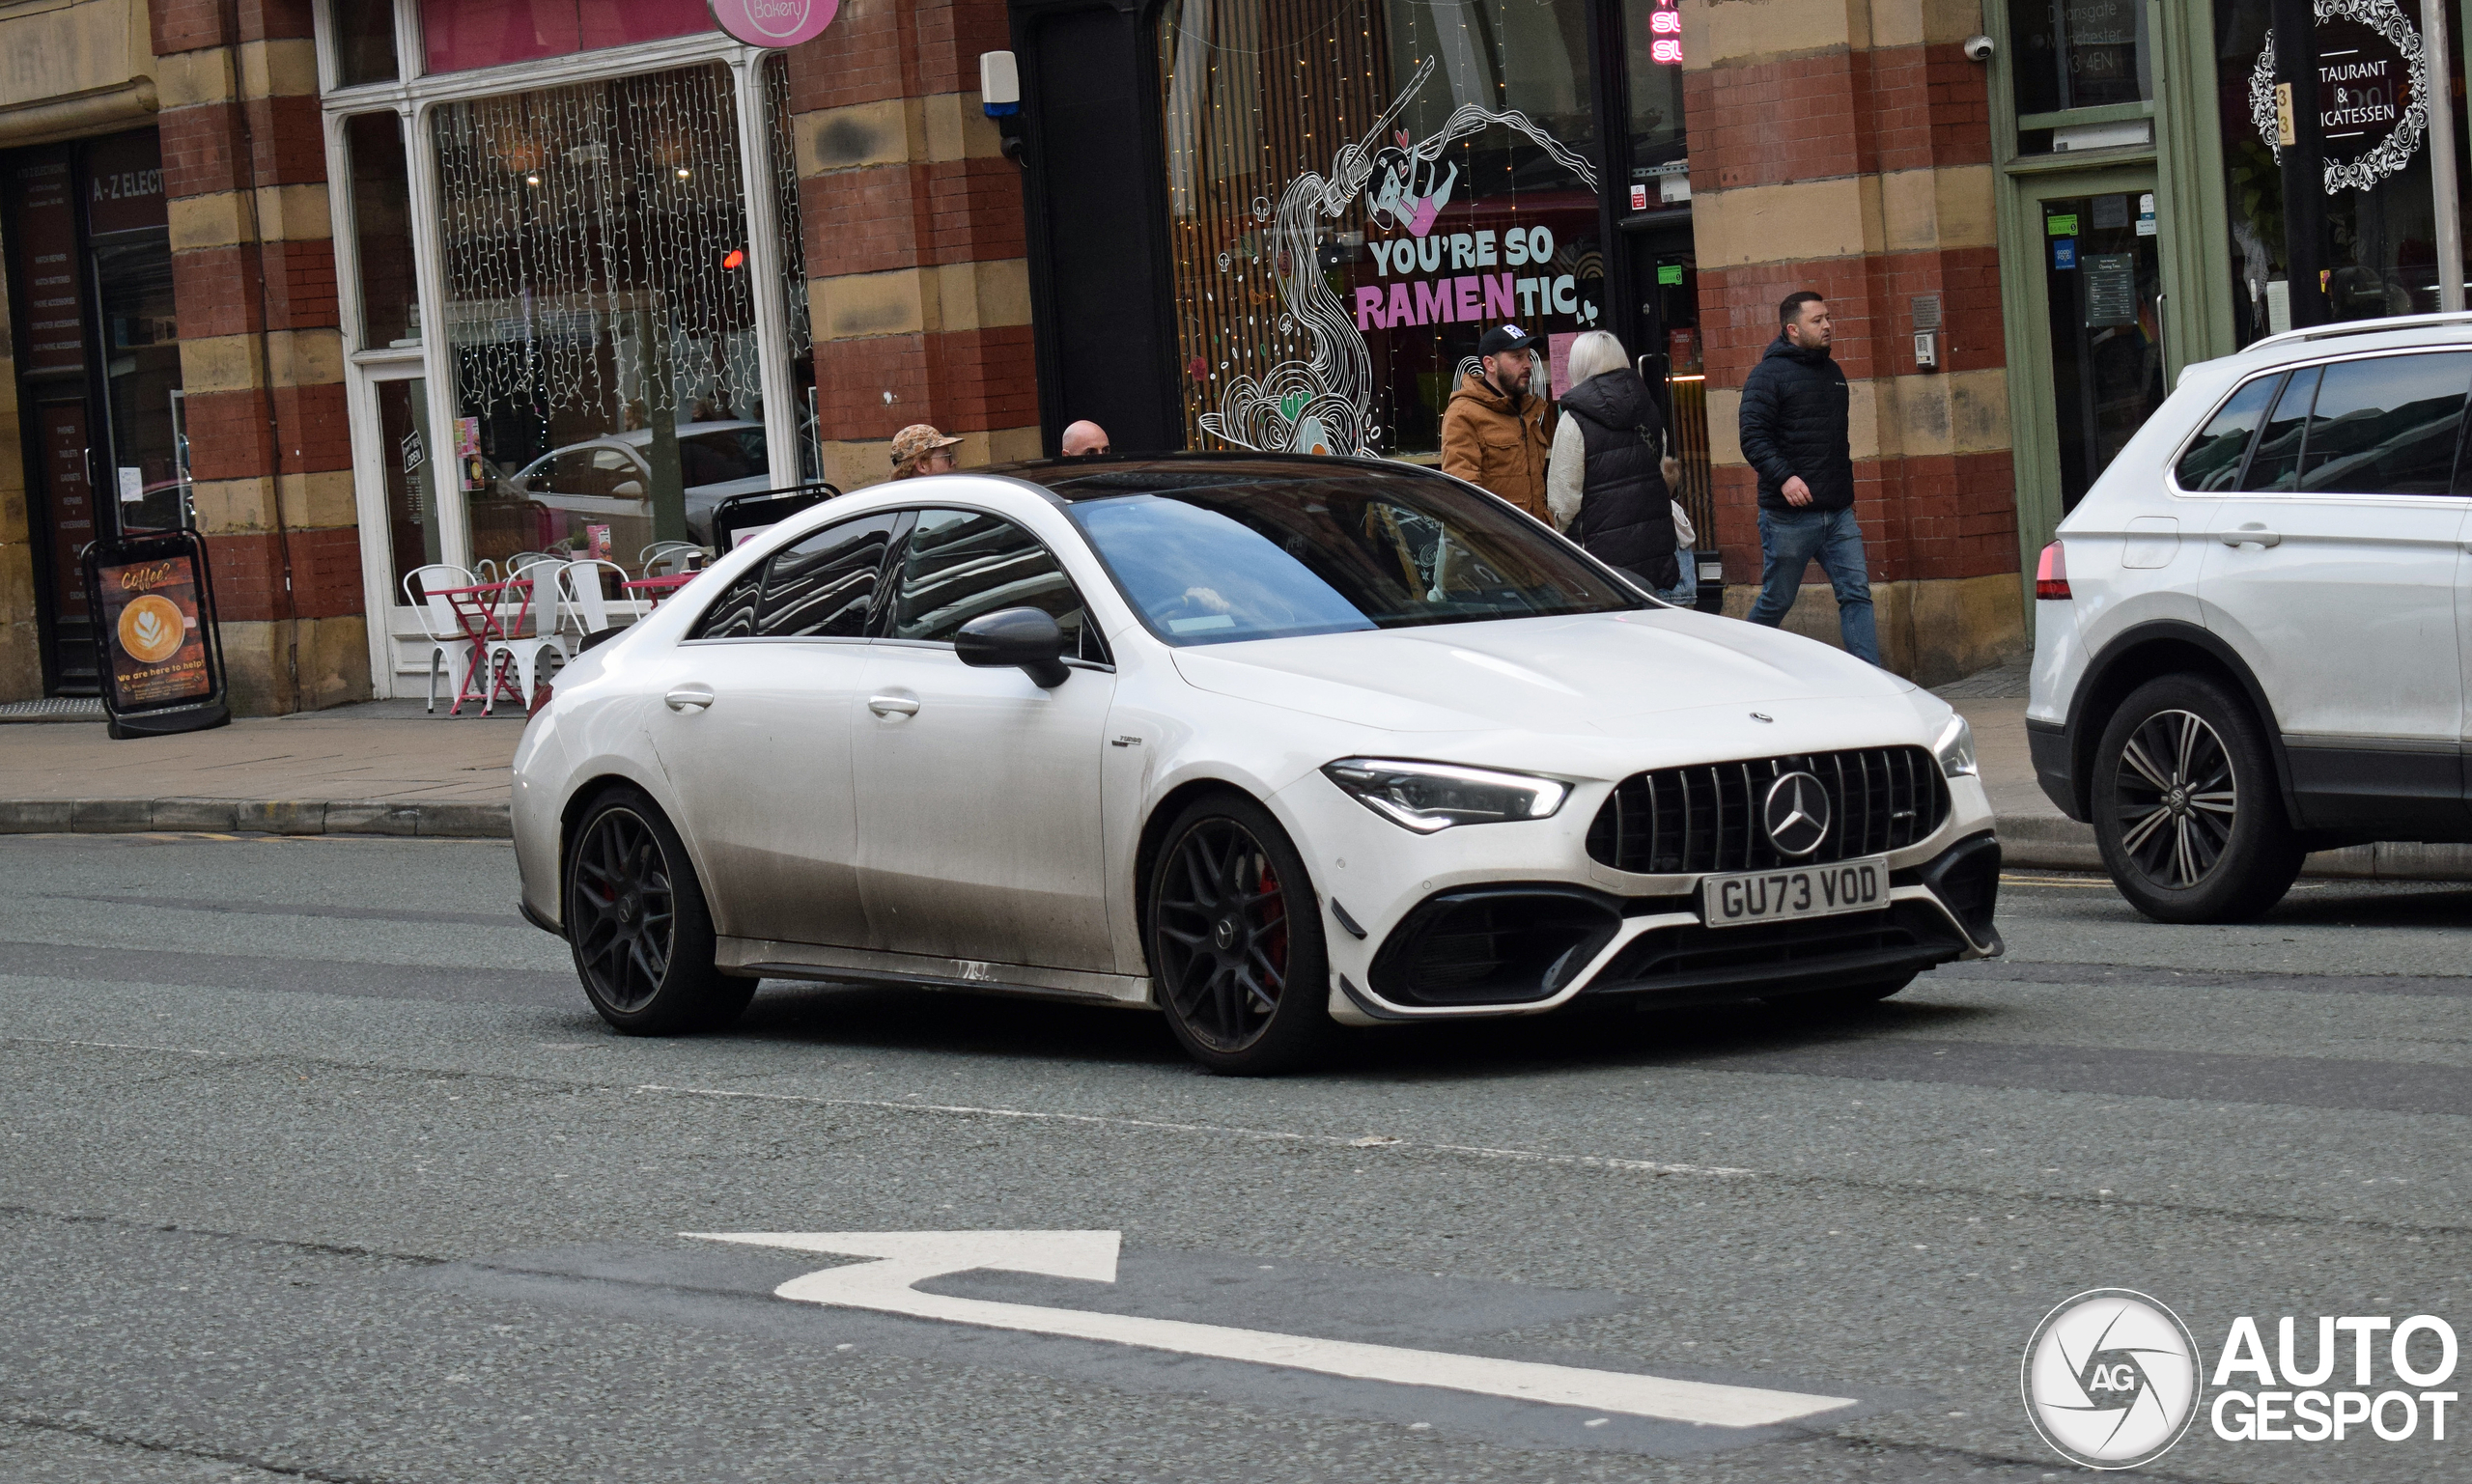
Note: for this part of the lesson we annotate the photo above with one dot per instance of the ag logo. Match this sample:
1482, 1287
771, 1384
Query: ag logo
2111, 1379
1796, 814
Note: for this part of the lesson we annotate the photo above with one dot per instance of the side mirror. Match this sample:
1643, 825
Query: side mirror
1015, 636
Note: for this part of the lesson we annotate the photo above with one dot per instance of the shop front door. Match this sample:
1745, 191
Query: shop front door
2098, 338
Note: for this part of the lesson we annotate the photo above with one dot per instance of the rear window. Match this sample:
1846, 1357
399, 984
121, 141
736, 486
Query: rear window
2276, 461
823, 587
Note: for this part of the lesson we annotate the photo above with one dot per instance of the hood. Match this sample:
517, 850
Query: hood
1596, 676
1787, 350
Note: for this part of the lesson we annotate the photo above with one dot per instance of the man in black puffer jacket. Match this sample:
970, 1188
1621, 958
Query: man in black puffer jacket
1794, 434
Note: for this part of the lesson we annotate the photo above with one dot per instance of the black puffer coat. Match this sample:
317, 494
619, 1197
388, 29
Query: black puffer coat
1793, 425
1626, 512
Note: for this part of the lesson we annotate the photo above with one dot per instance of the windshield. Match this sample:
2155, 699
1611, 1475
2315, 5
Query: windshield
1211, 558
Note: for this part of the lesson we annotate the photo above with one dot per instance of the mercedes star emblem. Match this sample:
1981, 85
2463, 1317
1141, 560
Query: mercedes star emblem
1796, 814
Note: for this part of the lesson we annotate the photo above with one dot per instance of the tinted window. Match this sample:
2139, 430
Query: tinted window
960, 564
732, 615
825, 586
1210, 558
2213, 461
2387, 426
716, 458
2277, 456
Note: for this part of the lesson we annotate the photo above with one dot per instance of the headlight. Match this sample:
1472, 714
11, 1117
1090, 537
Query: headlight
1426, 796
1955, 749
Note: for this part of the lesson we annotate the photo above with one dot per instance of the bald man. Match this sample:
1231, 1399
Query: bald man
1084, 439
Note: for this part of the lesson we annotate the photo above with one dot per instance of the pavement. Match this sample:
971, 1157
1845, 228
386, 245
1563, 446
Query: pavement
318, 1167
392, 768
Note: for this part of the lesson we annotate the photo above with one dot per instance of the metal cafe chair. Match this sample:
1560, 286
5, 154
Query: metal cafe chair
584, 598
521, 605
447, 640
666, 558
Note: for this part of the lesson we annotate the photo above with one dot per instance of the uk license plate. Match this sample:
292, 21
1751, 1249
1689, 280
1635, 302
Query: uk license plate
1794, 891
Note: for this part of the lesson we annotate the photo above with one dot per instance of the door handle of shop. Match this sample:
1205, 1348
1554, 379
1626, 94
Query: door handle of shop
890, 705
2251, 535
690, 698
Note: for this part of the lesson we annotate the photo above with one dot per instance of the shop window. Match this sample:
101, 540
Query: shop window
126, 232
364, 33
599, 312
1355, 193
2374, 111
382, 214
457, 35
2080, 54
410, 478
1653, 42
791, 233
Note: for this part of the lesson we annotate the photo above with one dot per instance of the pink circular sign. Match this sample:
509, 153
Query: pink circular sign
774, 23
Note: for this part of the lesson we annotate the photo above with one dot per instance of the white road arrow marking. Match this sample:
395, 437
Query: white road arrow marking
905, 1258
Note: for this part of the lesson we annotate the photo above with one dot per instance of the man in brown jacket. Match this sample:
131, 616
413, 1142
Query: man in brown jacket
1494, 434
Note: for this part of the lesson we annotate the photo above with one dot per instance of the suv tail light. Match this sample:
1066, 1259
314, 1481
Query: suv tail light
2051, 573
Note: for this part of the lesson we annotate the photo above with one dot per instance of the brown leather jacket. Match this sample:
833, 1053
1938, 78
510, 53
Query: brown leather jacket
1487, 444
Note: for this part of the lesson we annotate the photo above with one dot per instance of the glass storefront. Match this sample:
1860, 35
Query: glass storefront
578, 313
1356, 192
608, 389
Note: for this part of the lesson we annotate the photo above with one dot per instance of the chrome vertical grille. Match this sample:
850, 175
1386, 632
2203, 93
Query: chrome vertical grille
1685, 821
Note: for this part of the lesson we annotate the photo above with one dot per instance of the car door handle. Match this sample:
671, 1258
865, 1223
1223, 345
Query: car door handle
2251, 535
894, 704
690, 697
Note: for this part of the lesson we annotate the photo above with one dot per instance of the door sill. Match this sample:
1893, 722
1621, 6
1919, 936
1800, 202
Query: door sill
765, 958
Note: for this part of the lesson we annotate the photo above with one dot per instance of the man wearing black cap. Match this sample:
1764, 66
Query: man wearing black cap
1494, 434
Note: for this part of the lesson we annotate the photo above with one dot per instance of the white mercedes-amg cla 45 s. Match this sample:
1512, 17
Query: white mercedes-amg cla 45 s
1271, 744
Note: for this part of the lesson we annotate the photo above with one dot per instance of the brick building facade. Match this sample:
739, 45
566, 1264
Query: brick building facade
375, 306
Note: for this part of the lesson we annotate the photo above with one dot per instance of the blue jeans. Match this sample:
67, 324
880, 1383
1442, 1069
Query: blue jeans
1788, 540
1684, 594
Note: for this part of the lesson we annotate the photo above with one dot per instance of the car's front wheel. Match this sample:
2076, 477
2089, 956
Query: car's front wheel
1234, 933
2186, 811
637, 921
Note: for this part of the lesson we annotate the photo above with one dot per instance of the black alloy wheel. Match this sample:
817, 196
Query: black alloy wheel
2176, 798
2185, 808
1235, 942
637, 921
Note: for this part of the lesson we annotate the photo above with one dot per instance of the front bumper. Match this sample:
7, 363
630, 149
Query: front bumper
1509, 948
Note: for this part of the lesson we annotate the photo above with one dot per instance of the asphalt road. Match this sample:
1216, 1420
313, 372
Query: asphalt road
315, 1164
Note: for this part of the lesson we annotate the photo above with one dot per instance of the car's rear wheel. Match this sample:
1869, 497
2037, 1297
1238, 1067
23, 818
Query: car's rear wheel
2186, 812
1235, 942
638, 924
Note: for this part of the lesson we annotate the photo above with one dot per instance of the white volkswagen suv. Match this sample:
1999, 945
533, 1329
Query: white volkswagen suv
2247, 640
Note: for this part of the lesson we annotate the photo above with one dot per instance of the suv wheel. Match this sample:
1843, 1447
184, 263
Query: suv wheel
2185, 807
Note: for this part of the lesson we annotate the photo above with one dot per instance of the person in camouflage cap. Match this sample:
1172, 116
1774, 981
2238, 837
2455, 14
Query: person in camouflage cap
919, 449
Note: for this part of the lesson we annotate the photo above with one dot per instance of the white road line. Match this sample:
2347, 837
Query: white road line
1329, 1140
905, 1258
113, 1046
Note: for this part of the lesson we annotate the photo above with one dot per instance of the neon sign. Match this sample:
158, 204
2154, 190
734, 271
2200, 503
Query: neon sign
1665, 25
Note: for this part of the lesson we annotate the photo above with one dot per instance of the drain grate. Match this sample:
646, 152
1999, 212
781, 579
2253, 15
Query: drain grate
58, 708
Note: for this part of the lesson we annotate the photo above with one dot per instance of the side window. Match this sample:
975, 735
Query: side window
732, 615
2387, 425
822, 587
2213, 461
960, 564
2277, 460
825, 586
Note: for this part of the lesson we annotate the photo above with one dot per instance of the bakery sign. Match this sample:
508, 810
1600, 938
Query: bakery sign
2372, 101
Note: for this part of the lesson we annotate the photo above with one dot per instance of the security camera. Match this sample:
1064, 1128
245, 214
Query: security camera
1977, 47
